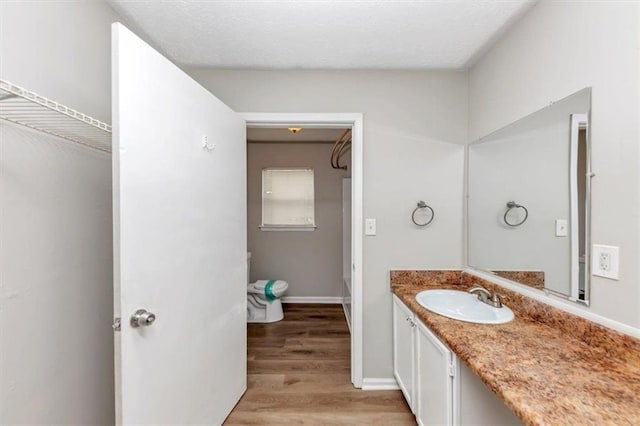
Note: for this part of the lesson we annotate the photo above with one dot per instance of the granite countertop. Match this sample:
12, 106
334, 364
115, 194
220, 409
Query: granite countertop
547, 365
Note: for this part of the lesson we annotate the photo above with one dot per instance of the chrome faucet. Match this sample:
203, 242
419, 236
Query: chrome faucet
485, 296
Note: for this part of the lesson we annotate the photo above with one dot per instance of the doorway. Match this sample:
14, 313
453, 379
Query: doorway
328, 121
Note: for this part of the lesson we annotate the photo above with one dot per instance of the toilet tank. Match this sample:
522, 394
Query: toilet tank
248, 267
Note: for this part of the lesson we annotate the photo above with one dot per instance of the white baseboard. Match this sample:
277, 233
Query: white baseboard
311, 299
379, 384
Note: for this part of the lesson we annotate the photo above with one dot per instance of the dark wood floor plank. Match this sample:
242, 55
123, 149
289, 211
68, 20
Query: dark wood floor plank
299, 353
299, 373
266, 342
343, 342
298, 366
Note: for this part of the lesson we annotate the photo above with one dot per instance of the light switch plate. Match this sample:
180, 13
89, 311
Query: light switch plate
605, 261
562, 228
369, 227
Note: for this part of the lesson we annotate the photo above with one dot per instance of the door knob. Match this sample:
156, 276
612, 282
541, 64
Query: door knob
142, 318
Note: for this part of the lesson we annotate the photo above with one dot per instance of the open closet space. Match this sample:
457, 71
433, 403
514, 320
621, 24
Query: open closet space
56, 227
56, 263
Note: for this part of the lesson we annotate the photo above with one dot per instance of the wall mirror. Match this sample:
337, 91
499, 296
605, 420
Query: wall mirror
528, 199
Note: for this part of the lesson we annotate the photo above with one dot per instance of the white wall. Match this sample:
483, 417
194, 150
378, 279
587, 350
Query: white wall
56, 342
311, 262
412, 123
557, 49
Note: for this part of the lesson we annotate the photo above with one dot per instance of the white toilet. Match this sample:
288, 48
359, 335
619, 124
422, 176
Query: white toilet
263, 298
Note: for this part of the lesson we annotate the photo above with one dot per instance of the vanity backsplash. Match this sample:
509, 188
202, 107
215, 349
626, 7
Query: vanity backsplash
534, 279
611, 341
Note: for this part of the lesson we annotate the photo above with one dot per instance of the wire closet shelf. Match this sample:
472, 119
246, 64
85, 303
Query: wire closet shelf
29, 109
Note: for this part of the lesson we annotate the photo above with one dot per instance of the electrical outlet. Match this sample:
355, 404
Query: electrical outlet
604, 261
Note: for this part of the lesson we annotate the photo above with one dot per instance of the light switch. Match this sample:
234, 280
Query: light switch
369, 227
604, 261
562, 228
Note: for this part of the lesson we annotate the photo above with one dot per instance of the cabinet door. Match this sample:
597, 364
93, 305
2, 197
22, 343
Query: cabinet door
436, 366
403, 349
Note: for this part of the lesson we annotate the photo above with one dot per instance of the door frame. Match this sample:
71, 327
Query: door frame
355, 121
578, 122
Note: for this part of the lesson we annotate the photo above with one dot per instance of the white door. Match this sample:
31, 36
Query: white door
179, 242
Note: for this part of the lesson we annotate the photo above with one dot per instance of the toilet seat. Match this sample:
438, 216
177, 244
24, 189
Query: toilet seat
263, 300
266, 287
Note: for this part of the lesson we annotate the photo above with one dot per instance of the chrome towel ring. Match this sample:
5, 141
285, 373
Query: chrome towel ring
513, 205
420, 206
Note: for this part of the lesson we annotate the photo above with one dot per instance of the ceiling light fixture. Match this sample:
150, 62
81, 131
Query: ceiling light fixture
295, 130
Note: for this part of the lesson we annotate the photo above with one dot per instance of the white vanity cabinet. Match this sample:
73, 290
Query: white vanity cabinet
423, 368
404, 338
436, 384
439, 388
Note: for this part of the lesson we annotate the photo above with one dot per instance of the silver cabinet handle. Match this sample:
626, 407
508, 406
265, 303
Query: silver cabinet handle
142, 318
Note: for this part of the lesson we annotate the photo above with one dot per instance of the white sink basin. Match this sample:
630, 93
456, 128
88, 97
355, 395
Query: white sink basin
463, 306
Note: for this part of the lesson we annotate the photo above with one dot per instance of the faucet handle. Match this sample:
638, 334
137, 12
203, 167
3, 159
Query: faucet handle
496, 299
482, 293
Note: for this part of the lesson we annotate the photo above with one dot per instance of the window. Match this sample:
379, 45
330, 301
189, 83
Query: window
288, 199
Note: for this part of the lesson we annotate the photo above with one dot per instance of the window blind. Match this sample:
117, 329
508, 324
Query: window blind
288, 197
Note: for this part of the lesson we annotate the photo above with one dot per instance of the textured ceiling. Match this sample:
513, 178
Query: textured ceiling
321, 34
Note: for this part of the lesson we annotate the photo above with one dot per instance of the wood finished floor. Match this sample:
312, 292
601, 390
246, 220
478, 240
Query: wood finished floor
298, 372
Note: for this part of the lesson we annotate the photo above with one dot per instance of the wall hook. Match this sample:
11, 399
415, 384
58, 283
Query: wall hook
209, 146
